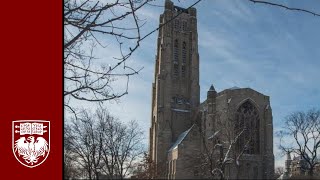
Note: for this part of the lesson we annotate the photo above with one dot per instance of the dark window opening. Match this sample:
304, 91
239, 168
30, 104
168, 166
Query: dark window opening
175, 70
177, 24
176, 52
247, 122
184, 26
184, 52
183, 71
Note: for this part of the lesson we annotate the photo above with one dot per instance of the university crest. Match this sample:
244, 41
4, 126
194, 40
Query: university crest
31, 141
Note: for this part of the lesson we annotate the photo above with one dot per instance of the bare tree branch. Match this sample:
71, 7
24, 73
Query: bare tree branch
303, 129
285, 7
100, 144
85, 22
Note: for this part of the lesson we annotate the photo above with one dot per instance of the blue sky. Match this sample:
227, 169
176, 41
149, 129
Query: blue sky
266, 48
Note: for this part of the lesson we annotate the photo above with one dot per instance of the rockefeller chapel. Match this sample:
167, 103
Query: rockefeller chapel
231, 132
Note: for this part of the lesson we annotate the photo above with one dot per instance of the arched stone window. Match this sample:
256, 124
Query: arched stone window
184, 59
176, 58
247, 121
184, 25
176, 51
184, 52
183, 71
175, 70
177, 25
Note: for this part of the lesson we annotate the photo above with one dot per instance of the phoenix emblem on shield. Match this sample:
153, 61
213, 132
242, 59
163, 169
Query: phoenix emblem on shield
31, 141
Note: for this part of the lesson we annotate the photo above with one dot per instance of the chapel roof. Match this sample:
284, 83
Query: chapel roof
181, 137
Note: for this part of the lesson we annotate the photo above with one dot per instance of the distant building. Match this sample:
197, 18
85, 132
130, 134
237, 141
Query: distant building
297, 168
178, 116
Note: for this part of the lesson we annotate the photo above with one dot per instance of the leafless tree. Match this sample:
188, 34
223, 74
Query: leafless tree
220, 149
121, 145
303, 128
69, 168
144, 169
87, 24
101, 145
285, 7
82, 144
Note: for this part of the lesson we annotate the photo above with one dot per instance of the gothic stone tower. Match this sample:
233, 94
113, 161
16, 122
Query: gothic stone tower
175, 91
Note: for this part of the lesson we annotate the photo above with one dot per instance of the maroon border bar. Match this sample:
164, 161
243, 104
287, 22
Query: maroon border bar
31, 81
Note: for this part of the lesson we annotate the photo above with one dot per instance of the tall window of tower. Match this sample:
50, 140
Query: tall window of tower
247, 123
175, 70
176, 52
184, 52
184, 26
177, 24
183, 71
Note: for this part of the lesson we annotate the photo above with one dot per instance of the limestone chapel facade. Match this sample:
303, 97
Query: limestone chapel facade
183, 130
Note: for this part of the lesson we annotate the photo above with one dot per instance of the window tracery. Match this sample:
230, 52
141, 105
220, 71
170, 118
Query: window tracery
175, 70
183, 71
247, 120
184, 52
184, 26
176, 51
177, 24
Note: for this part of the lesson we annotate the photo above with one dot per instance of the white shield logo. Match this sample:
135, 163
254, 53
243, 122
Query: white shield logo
31, 141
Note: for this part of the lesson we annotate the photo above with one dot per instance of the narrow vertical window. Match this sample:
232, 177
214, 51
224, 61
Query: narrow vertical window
248, 123
176, 52
184, 52
175, 70
184, 26
176, 58
183, 71
177, 24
